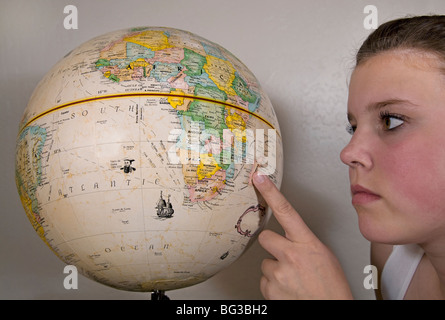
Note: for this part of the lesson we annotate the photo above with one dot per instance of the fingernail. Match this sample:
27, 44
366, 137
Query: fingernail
258, 178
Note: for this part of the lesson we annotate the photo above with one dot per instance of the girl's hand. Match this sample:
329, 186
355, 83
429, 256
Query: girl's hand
303, 268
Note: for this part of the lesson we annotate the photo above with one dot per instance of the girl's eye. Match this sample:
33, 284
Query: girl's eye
391, 121
350, 129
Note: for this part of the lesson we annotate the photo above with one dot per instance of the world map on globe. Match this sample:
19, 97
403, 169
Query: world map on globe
135, 154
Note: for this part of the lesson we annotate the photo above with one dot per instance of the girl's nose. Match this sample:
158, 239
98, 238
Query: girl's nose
357, 152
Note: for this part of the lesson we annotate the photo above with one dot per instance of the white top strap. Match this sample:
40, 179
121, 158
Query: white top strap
399, 270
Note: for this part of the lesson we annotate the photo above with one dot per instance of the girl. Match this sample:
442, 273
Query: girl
396, 159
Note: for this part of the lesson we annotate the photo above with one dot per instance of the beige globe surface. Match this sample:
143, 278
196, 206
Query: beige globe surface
135, 154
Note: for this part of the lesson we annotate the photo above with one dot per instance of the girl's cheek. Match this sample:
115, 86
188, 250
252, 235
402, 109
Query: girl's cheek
418, 176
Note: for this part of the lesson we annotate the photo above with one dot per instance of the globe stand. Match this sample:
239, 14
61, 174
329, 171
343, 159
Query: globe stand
159, 295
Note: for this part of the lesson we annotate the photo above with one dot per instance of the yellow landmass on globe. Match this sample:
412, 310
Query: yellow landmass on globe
139, 63
207, 167
151, 39
177, 102
221, 72
237, 125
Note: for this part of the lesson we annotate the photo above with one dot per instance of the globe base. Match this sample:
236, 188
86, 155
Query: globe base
159, 295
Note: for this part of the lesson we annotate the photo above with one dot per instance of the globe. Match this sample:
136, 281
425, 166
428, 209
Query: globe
135, 155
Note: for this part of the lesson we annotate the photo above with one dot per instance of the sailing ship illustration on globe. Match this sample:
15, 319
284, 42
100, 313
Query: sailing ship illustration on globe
163, 209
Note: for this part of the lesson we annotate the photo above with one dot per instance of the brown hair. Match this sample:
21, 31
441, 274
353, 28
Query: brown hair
424, 33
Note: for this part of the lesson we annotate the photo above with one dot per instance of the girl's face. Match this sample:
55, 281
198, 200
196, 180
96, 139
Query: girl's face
396, 155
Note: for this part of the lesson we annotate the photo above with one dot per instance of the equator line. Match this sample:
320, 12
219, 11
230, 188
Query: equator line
140, 94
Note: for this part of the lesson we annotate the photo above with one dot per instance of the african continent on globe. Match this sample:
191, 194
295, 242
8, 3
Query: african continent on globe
135, 154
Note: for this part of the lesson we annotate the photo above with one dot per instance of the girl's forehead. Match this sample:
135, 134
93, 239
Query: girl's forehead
414, 59
396, 75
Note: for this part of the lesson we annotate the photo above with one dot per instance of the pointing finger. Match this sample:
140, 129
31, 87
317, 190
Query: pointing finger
295, 228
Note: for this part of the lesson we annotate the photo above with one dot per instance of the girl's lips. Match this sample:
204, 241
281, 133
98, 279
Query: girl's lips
361, 195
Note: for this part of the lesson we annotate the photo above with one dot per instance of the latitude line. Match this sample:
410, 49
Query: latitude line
85, 237
140, 94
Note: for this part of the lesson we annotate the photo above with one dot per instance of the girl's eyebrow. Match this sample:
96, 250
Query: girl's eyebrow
381, 104
385, 103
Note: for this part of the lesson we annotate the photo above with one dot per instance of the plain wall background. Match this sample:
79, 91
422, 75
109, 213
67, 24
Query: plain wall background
301, 51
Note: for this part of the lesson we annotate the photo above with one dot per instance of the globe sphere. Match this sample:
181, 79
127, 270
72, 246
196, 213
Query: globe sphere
135, 154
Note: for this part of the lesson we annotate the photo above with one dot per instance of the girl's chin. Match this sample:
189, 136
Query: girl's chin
378, 232
387, 233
